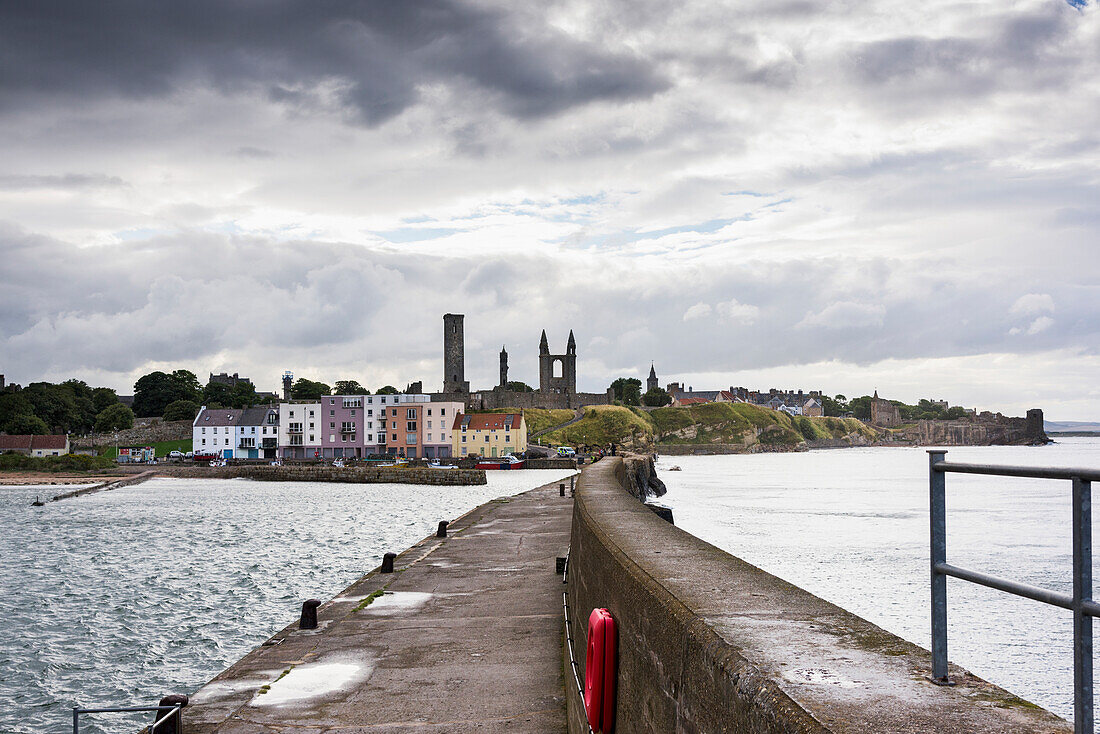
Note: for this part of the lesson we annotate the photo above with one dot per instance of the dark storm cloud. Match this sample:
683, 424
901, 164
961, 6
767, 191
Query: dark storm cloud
1019, 50
369, 57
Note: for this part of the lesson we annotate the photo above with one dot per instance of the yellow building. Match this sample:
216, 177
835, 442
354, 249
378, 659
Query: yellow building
489, 434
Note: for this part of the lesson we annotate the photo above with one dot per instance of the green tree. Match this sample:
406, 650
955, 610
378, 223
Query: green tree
217, 392
54, 404
103, 397
861, 407
517, 386
13, 404
181, 410
656, 398
955, 412
114, 417
628, 390
387, 390
154, 391
834, 407
349, 387
23, 425
304, 389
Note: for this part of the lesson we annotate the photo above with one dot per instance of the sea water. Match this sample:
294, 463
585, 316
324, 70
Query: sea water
121, 597
851, 526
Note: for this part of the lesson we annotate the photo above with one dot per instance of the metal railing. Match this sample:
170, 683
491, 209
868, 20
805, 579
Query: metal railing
1080, 602
174, 710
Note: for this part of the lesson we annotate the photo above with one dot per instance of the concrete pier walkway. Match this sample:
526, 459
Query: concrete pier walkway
464, 636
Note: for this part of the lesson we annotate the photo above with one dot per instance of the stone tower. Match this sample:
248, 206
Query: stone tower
503, 368
454, 359
651, 382
558, 372
288, 382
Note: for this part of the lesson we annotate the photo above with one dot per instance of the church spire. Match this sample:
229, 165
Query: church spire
571, 345
544, 346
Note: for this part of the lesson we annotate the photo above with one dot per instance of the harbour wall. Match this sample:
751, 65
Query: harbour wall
710, 643
365, 475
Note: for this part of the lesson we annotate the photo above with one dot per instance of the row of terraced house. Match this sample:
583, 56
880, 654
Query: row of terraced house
351, 426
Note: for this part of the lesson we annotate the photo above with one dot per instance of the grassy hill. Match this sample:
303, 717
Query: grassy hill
711, 423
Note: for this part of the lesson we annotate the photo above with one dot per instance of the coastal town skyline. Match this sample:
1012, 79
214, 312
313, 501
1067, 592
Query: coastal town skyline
882, 196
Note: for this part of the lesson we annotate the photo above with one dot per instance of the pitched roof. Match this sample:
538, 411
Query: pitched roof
693, 401
219, 417
9, 443
26, 443
256, 416
487, 421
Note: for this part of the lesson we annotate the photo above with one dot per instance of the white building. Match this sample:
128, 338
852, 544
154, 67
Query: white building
300, 430
214, 431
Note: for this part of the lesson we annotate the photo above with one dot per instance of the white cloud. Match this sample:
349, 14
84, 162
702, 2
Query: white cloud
698, 311
1033, 303
738, 313
845, 315
1040, 324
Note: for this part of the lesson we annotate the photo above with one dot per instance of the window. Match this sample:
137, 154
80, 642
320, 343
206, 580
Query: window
463, 440
507, 437
331, 413
463, 450
429, 437
292, 414
204, 430
352, 437
411, 414
429, 411
443, 411
311, 438
332, 401
383, 400
393, 412
486, 439
410, 426
204, 442
370, 401
253, 429
332, 425
429, 422
332, 438
370, 411
347, 427
395, 436
410, 438
353, 412
353, 402
311, 414
393, 425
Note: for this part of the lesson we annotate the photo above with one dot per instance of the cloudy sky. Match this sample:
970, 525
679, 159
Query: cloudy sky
837, 195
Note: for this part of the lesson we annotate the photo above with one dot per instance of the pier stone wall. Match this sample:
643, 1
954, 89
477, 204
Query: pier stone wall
710, 643
369, 475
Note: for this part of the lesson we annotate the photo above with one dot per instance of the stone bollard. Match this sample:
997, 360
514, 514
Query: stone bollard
441, 532
309, 614
561, 490
387, 562
174, 723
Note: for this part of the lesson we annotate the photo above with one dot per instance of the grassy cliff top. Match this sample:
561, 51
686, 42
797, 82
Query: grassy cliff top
716, 423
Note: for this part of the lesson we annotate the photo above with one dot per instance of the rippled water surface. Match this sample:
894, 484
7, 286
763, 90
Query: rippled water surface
851, 526
121, 597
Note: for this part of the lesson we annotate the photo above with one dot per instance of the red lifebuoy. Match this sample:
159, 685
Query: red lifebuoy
599, 672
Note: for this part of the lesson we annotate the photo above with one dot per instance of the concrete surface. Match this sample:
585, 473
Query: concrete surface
466, 636
710, 643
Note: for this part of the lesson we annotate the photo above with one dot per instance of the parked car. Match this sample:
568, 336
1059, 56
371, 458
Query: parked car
189, 455
175, 454
567, 451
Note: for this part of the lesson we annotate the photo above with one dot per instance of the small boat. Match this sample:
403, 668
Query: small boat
504, 462
673, 468
337, 463
437, 465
